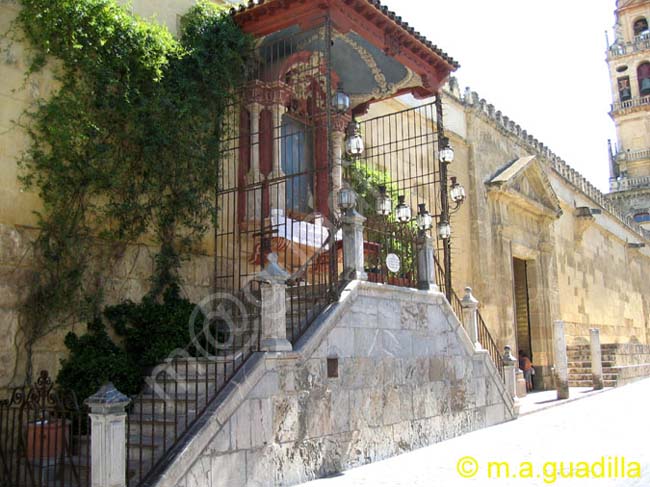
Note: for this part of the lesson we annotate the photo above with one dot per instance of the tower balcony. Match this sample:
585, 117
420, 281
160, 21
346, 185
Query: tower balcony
631, 105
633, 155
625, 183
639, 44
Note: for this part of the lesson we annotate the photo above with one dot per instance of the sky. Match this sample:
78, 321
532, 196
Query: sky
541, 62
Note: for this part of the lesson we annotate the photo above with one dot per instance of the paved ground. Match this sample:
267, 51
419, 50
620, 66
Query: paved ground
605, 431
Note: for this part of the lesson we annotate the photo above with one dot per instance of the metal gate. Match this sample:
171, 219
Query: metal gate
44, 438
275, 184
400, 160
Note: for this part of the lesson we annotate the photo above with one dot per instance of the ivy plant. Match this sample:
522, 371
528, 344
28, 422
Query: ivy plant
128, 146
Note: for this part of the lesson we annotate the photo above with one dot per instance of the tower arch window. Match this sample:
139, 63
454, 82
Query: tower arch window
642, 217
641, 27
624, 91
643, 74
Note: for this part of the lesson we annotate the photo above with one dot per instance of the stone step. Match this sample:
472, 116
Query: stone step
587, 356
590, 383
156, 406
586, 362
587, 370
589, 376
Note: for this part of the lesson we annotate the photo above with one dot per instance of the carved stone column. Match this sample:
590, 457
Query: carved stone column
561, 360
278, 189
353, 265
596, 358
470, 316
254, 199
339, 124
273, 310
108, 439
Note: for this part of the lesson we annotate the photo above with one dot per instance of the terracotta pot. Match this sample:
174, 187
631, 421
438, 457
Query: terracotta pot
45, 440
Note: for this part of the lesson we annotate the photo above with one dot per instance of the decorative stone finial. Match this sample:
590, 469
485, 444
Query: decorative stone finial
273, 273
107, 400
469, 301
508, 358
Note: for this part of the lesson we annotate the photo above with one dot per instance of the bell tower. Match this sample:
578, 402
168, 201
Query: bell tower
629, 69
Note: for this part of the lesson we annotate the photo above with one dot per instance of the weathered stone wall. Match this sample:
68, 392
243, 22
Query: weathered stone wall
408, 376
129, 276
602, 282
595, 277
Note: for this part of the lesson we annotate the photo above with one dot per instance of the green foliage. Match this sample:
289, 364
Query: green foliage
151, 329
365, 181
94, 360
129, 145
391, 235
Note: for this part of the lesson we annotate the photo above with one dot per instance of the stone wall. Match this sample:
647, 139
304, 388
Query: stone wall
408, 376
127, 278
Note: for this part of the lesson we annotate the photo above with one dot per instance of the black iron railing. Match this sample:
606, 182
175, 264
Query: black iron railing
44, 438
484, 336
313, 287
226, 332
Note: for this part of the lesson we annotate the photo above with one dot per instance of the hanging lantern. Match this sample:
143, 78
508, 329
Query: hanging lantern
446, 151
424, 219
347, 198
402, 211
444, 230
457, 192
341, 100
354, 142
384, 205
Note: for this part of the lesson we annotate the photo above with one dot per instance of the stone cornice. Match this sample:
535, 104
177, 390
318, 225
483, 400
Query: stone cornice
505, 125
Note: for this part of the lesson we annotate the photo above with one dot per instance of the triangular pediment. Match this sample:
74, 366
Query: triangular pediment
525, 181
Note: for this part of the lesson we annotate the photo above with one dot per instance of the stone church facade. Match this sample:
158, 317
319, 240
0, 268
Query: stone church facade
535, 240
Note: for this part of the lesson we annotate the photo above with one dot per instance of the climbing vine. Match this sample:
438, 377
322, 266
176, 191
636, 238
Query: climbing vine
128, 146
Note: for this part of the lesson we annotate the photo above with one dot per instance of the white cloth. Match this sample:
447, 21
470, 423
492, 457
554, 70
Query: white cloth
302, 232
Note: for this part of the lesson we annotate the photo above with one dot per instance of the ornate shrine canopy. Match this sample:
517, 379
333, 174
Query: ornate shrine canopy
375, 54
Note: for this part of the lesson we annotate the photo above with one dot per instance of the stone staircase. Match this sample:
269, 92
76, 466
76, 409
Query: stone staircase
178, 391
175, 395
579, 358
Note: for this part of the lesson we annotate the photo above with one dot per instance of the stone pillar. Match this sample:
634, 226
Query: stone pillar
470, 316
273, 316
277, 190
353, 265
426, 263
254, 198
561, 360
108, 438
596, 358
510, 367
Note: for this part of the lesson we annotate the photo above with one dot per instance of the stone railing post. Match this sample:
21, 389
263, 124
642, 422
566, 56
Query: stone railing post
273, 315
510, 366
108, 437
426, 263
561, 360
596, 358
353, 265
470, 316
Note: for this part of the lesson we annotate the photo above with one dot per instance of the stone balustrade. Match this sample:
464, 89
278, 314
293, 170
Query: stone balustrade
640, 43
623, 184
634, 102
633, 155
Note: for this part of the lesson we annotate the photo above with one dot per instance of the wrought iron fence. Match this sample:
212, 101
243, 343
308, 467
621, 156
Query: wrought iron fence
484, 336
401, 160
226, 332
275, 186
44, 438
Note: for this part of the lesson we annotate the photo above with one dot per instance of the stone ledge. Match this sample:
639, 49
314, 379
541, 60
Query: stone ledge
631, 373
